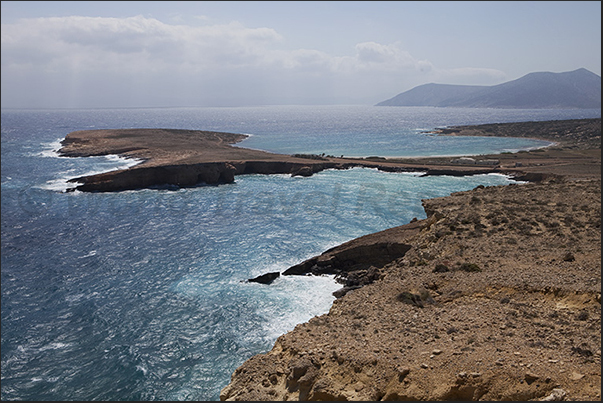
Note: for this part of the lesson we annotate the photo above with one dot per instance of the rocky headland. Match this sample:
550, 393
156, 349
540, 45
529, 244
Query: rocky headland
184, 158
495, 296
173, 157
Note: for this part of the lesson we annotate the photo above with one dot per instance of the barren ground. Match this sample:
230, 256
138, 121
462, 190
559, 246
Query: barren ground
499, 298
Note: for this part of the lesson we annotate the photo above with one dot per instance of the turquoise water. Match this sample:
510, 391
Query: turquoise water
140, 295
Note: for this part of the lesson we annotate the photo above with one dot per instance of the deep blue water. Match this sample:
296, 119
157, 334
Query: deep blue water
138, 295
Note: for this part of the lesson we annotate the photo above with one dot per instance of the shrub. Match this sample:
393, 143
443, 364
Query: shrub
470, 267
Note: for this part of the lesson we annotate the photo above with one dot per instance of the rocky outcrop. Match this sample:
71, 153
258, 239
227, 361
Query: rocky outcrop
357, 262
190, 174
150, 176
303, 171
267, 278
283, 167
497, 298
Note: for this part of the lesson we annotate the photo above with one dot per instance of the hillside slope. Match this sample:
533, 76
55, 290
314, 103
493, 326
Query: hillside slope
574, 89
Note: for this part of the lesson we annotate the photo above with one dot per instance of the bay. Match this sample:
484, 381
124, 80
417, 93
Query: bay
140, 295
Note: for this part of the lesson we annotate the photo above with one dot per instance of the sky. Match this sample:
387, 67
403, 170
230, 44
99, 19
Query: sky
115, 54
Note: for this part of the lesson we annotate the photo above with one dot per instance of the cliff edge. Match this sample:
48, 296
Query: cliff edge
495, 296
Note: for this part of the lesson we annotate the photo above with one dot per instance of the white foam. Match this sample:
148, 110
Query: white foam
106, 163
51, 150
301, 298
54, 346
91, 253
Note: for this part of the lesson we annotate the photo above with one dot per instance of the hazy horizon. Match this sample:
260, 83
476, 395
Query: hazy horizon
221, 53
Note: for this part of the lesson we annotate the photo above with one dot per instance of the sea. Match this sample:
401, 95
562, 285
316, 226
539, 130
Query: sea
142, 295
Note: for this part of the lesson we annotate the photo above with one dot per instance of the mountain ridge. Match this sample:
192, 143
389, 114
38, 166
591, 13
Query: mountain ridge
578, 89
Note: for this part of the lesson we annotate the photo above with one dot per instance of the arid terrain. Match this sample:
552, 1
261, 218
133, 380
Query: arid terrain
188, 157
495, 296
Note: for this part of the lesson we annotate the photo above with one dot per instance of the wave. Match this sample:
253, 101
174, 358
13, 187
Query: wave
102, 164
51, 150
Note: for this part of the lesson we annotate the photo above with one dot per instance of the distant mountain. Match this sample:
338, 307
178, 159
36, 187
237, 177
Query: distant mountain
579, 89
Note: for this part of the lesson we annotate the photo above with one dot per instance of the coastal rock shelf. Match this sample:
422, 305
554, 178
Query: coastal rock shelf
359, 262
184, 158
496, 297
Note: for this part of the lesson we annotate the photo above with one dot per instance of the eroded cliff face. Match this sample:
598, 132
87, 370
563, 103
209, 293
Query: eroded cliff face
145, 177
189, 174
498, 298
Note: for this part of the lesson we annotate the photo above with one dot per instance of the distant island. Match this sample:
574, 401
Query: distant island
578, 89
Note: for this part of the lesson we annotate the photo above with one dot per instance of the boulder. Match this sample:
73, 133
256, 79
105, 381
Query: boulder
267, 278
303, 171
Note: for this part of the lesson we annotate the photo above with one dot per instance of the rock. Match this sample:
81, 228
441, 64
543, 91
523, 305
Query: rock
303, 171
530, 377
344, 290
267, 278
410, 298
556, 395
185, 175
569, 257
402, 373
441, 268
360, 259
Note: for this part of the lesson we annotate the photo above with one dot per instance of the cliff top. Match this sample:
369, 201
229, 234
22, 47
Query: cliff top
161, 146
496, 296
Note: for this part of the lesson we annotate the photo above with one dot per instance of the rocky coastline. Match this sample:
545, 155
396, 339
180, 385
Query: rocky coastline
185, 158
495, 296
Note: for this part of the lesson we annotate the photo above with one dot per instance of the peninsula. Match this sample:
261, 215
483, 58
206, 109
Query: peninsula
495, 296
184, 158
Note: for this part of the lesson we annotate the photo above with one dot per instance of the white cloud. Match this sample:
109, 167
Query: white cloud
115, 55
130, 43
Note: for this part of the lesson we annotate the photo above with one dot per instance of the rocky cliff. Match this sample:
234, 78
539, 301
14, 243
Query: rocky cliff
189, 174
496, 296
